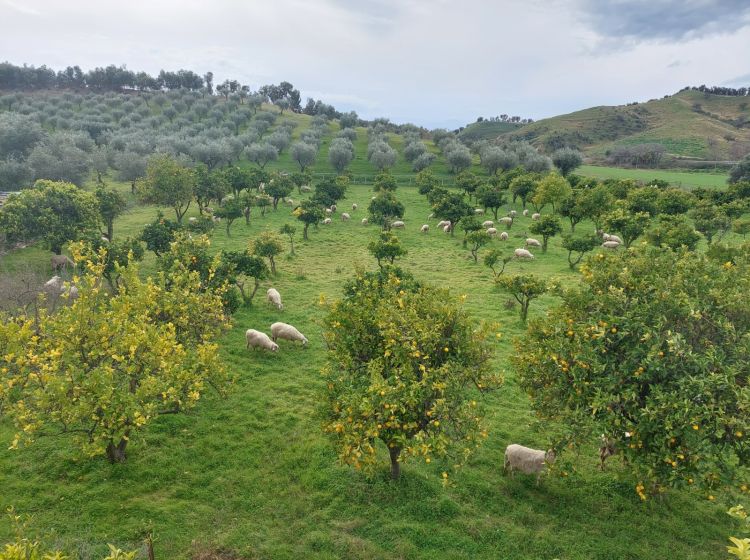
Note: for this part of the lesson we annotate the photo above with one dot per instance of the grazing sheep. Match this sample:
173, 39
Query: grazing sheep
60, 262
305, 188
257, 339
488, 223
507, 220
345, 216
610, 244
54, 285
333, 207
354, 207
425, 228
491, 231
525, 212
523, 254
327, 221
512, 213
447, 229
443, 223
329, 211
192, 219
365, 221
287, 332
527, 460
504, 236
479, 211
531, 242
72, 292
274, 298
608, 237
398, 224
536, 216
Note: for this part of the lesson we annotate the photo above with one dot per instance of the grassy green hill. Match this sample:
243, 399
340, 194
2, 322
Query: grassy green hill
689, 124
487, 130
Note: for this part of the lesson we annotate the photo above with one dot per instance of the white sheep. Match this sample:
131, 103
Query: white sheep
365, 221
287, 332
491, 231
479, 211
327, 221
425, 228
274, 297
192, 219
398, 224
329, 211
609, 237
333, 207
525, 212
527, 460
507, 220
531, 242
443, 223
488, 223
305, 188
512, 213
523, 254
289, 201
345, 216
354, 207
54, 285
536, 216
610, 244
504, 236
257, 339
447, 229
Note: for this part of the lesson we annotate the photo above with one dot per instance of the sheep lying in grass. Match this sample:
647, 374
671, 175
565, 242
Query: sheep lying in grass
531, 242
327, 222
522, 254
354, 207
504, 236
479, 211
609, 237
536, 216
287, 332
610, 244
425, 228
274, 298
257, 339
525, 211
527, 460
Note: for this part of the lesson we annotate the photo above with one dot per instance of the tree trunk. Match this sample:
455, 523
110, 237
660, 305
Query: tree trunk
246, 212
304, 232
524, 310
116, 453
292, 242
110, 230
273, 265
394, 452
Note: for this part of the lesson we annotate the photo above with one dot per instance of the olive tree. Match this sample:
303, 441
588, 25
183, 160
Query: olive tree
566, 160
304, 154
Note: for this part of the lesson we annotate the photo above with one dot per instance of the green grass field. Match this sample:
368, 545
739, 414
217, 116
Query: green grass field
684, 179
253, 475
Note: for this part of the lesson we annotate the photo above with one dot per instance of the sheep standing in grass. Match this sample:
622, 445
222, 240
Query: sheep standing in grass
447, 229
54, 285
479, 211
287, 332
531, 242
536, 216
527, 460
61, 262
443, 223
333, 207
398, 224
488, 223
609, 237
512, 213
257, 339
525, 211
327, 221
492, 231
274, 298
365, 221
354, 207
523, 254
329, 211
504, 236
345, 216
425, 228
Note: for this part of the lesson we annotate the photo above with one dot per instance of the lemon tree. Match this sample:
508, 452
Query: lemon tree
652, 350
405, 367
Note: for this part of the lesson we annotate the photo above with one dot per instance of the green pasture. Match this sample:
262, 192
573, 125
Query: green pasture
684, 179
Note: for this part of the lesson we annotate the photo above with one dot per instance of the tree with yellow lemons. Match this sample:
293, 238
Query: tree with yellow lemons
405, 367
651, 350
102, 368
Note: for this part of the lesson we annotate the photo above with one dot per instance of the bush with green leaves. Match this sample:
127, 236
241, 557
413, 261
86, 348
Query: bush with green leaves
451, 206
627, 225
167, 183
673, 232
547, 226
384, 209
403, 362
577, 246
650, 350
524, 288
159, 234
386, 248
267, 245
309, 213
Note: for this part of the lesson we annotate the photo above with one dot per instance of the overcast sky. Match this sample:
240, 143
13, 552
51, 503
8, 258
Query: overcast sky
430, 62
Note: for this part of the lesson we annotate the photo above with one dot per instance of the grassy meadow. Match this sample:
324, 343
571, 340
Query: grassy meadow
251, 475
685, 179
